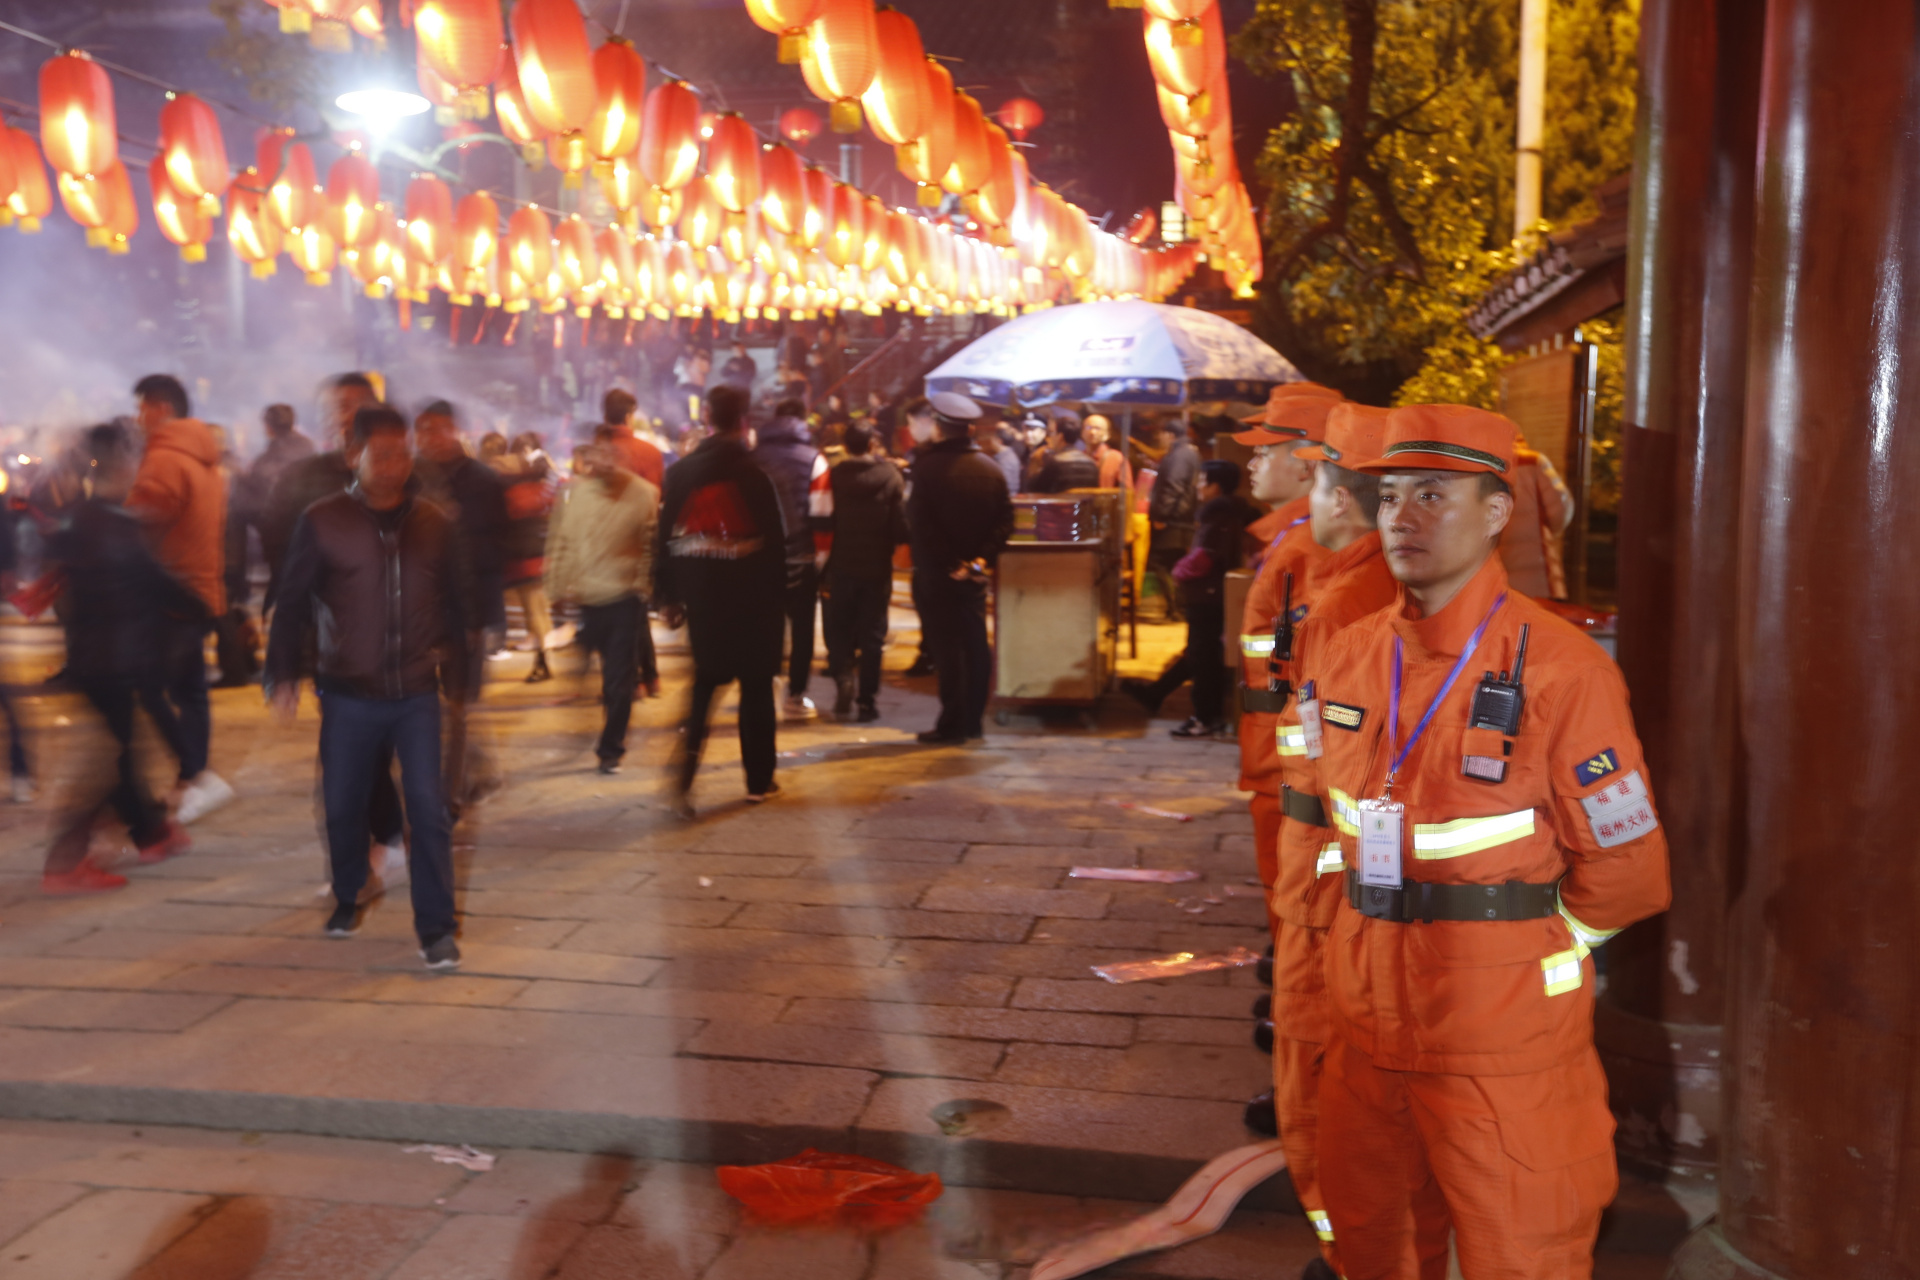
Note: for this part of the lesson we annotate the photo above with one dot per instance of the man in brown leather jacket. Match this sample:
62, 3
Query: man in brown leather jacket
380, 574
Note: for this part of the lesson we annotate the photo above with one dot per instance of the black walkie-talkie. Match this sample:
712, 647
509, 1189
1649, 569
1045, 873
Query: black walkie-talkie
1282, 638
1498, 702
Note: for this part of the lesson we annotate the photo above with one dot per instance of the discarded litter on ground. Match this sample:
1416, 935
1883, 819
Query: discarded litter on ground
1150, 811
466, 1157
1173, 966
1144, 875
822, 1186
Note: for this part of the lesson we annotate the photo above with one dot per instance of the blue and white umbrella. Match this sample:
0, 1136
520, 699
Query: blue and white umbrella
1115, 353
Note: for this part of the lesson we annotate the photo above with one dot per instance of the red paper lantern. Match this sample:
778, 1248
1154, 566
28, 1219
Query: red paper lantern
1178, 10
670, 137
1141, 226
620, 93
353, 189
476, 232
1000, 194
972, 161
578, 260
296, 19
462, 41
8, 179
618, 269
314, 252
1020, 117
368, 20
740, 235
510, 106
555, 63
178, 216
251, 230
899, 102
846, 226
733, 162
902, 247
530, 246
700, 216
620, 182
787, 19
77, 122
800, 125
194, 149
927, 159
379, 260
1180, 63
817, 214
95, 200
660, 207
873, 234
571, 156
841, 55
429, 212
783, 189
287, 168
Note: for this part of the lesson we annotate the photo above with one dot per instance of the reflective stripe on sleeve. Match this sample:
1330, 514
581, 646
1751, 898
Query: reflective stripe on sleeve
1256, 646
1562, 969
1331, 860
1582, 934
1433, 841
1346, 814
1322, 1224
1290, 740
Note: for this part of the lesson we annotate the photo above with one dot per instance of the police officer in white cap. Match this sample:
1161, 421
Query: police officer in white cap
961, 516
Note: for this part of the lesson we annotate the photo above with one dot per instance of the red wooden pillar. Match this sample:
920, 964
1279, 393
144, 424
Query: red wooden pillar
1821, 1162
1688, 280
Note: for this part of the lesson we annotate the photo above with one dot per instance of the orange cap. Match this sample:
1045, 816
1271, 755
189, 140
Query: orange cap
1355, 435
1446, 437
1294, 411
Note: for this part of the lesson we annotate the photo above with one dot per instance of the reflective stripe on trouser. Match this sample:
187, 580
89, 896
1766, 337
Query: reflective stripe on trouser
1437, 840
1525, 1164
1296, 1105
1256, 646
1331, 860
1345, 813
1289, 739
1266, 845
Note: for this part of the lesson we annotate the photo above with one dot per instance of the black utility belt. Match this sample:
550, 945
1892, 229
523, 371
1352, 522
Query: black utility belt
1266, 702
1303, 806
1421, 902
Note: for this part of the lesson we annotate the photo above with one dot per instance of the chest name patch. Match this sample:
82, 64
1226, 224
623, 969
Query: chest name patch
1620, 811
1342, 716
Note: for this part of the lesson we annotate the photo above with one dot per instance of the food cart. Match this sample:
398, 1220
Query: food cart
1056, 604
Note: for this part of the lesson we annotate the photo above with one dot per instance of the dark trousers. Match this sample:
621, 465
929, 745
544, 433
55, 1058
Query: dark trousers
956, 618
1203, 662
803, 596
16, 736
356, 736
920, 611
146, 819
1164, 549
729, 644
178, 704
643, 647
855, 613
610, 630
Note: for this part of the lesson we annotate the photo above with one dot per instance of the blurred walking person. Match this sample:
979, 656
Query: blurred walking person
118, 604
304, 480
20, 767
600, 556
866, 520
785, 452
631, 453
181, 497
527, 473
385, 571
961, 516
720, 567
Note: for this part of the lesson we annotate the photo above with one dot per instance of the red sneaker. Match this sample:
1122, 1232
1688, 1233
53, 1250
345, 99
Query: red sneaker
172, 843
85, 878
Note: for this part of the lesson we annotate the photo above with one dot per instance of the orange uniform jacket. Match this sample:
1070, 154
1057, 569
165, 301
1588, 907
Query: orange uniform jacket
1500, 997
1295, 553
1345, 587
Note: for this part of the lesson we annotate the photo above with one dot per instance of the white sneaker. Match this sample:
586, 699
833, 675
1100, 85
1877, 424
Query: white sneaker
202, 796
22, 789
394, 862
799, 709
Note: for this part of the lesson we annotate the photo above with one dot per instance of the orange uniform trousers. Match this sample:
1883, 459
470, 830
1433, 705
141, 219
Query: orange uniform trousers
1525, 1164
1266, 845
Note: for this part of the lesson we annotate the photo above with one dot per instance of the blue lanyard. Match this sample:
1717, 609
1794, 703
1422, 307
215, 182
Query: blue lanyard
1393, 707
1284, 532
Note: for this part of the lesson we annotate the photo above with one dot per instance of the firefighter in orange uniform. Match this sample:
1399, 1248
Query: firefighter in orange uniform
1293, 411
1348, 583
1495, 822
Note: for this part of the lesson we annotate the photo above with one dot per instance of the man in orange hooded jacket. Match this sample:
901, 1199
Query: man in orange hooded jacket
1496, 825
181, 497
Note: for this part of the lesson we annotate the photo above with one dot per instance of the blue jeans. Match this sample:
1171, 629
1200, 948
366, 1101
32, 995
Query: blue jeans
357, 735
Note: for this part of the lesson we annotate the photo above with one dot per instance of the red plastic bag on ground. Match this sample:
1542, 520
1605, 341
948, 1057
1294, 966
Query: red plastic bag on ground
820, 1186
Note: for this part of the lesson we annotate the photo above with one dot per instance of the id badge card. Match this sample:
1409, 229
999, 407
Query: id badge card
1310, 729
1381, 825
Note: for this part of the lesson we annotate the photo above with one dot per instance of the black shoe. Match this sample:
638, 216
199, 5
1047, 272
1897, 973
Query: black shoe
1263, 1036
1195, 727
1264, 969
1263, 1008
441, 954
868, 715
935, 738
610, 765
1319, 1270
540, 670
1260, 1117
843, 696
344, 922
761, 797
922, 666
